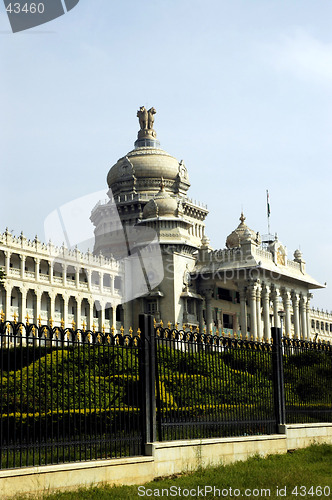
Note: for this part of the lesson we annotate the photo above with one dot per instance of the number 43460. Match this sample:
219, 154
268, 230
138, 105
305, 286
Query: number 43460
33, 8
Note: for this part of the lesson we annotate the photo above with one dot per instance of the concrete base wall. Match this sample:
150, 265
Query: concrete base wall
163, 459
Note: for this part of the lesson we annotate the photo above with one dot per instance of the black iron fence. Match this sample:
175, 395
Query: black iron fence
72, 395
308, 381
209, 386
67, 395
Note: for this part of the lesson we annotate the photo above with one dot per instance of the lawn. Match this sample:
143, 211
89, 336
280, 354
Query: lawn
303, 473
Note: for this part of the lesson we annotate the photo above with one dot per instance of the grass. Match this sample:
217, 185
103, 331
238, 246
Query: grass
307, 467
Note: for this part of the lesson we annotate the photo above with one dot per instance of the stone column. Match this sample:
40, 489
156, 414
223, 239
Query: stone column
90, 320
253, 312
114, 316
102, 316
23, 259
243, 312
303, 314
52, 306
79, 310
266, 313
101, 282
50, 265
38, 304
235, 324
112, 286
77, 277
200, 316
207, 292
65, 310
309, 296
258, 311
295, 301
64, 275
275, 298
23, 304
37, 267
8, 290
287, 307
7, 263
89, 273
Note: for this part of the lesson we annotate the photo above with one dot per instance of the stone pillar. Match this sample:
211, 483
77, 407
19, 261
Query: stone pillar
89, 273
64, 276
303, 314
38, 304
200, 316
37, 267
308, 316
275, 298
235, 324
79, 310
253, 312
90, 314
52, 306
258, 311
77, 277
65, 310
114, 316
102, 316
101, 282
295, 301
7, 263
287, 308
207, 292
50, 264
266, 313
23, 304
8, 290
112, 286
243, 312
23, 259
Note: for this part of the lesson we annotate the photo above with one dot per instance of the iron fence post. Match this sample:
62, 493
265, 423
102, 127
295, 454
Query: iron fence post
147, 378
278, 380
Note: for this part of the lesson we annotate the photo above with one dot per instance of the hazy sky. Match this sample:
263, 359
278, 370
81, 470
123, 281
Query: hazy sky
243, 95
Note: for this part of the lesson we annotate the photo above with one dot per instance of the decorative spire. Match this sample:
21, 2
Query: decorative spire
162, 184
242, 218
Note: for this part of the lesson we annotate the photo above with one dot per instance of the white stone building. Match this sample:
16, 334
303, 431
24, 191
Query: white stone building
245, 288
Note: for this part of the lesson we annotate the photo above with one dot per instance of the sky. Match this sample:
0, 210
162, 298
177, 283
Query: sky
242, 91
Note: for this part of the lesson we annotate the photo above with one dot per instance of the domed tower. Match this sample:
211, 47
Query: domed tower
148, 189
134, 181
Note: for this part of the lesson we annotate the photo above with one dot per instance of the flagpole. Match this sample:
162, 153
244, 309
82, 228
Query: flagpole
268, 211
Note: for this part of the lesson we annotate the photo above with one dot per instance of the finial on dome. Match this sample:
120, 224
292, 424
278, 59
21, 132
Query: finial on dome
242, 218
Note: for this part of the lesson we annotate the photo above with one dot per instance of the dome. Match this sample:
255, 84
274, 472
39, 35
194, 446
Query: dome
162, 205
242, 234
142, 168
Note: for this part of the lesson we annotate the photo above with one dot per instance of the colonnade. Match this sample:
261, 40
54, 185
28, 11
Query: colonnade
70, 275
25, 304
267, 305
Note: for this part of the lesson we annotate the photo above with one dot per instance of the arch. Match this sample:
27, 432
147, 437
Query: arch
15, 261
59, 309
15, 304
72, 310
30, 264
44, 267
119, 314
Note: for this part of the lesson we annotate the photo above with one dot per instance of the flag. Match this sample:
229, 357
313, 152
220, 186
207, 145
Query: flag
268, 203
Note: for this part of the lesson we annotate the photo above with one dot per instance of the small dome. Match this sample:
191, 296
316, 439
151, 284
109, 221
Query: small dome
242, 234
162, 205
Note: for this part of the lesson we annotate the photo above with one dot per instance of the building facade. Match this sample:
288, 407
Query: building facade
242, 289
